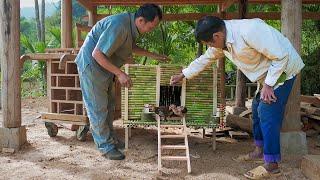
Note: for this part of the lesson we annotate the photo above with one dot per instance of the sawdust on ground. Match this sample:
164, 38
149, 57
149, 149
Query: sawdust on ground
64, 157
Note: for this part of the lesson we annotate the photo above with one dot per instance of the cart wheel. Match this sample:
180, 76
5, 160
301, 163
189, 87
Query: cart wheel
81, 133
51, 128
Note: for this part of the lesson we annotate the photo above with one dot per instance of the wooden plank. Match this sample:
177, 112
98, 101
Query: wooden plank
10, 64
62, 50
313, 116
245, 113
126, 96
185, 132
183, 92
126, 137
8, 150
174, 158
214, 139
214, 91
172, 126
67, 101
66, 122
158, 87
159, 143
49, 84
238, 134
67, 75
67, 88
65, 117
226, 140
173, 147
43, 56
311, 110
173, 136
310, 99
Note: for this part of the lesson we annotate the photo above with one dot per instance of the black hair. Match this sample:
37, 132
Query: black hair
149, 12
207, 26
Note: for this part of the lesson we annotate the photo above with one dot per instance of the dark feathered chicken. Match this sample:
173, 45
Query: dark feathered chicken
169, 111
178, 110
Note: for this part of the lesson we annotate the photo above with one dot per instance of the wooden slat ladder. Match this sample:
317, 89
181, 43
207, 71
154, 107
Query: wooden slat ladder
185, 146
183, 135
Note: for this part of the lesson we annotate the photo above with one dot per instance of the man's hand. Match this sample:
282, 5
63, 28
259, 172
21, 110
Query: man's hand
176, 79
162, 58
267, 94
124, 80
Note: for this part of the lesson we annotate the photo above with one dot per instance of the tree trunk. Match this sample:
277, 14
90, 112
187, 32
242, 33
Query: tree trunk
238, 122
42, 20
36, 5
43, 39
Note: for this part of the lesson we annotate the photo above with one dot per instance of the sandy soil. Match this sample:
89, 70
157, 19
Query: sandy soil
64, 157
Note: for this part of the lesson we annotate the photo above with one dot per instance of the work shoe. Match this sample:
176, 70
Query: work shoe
120, 145
114, 154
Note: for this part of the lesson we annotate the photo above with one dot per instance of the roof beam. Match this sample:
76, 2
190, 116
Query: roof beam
183, 2
197, 16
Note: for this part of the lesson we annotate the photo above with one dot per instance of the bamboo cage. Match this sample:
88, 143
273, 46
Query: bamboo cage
149, 82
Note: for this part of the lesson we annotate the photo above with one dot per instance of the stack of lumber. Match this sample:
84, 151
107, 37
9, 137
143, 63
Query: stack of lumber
310, 113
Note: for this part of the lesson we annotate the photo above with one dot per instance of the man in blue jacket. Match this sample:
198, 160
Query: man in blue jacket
106, 48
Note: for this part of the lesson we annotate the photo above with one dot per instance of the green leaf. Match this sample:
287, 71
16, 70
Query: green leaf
25, 42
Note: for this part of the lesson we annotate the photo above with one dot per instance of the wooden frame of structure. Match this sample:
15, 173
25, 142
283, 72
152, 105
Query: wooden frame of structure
199, 95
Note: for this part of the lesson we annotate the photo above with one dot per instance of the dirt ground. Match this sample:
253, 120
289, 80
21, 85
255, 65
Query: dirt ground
64, 157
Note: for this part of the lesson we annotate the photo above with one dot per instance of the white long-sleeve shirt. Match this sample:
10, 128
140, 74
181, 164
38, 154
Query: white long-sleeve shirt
257, 49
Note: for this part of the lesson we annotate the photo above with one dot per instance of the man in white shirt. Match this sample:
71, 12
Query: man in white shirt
265, 56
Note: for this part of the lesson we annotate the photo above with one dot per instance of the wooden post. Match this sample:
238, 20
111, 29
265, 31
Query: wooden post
240, 104
221, 72
200, 49
12, 135
293, 140
92, 14
126, 109
66, 23
10, 64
